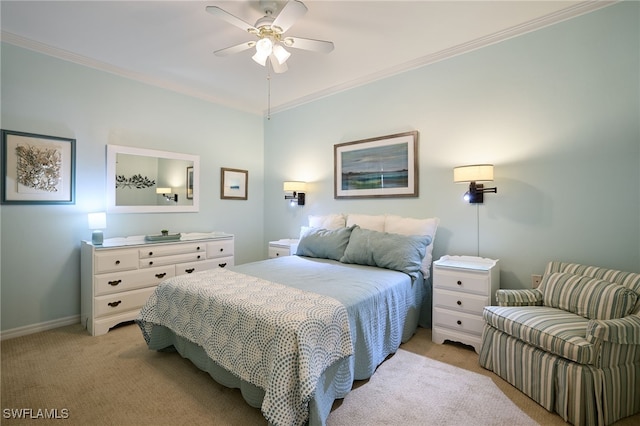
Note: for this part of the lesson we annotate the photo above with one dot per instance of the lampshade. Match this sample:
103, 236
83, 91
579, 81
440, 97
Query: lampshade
473, 173
264, 48
281, 54
97, 220
294, 186
163, 190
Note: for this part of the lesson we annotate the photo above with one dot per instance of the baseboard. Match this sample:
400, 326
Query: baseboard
35, 328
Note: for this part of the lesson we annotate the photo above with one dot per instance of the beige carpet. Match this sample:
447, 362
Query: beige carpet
115, 380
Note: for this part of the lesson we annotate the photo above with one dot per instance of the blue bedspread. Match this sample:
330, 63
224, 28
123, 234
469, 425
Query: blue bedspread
383, 308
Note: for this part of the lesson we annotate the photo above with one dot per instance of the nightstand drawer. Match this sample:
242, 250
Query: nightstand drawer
459, 301
278, 251
472, 282
130, 280
458, 321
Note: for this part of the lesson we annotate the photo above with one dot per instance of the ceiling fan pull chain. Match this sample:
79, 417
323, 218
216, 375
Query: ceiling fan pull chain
268, 93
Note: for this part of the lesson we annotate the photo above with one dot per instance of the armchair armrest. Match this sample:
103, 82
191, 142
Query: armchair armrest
521, 297
623, 331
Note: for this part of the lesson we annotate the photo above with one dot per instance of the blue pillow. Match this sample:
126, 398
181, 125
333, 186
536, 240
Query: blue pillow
324, 243
402, 253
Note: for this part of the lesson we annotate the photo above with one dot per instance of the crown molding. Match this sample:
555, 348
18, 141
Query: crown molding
497, 37
526, 27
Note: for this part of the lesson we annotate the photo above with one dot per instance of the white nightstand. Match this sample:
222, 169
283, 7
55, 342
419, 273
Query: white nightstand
284, 247
462, 287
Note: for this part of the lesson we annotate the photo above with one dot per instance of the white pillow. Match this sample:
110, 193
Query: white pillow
331, 221
410, 226
364, 221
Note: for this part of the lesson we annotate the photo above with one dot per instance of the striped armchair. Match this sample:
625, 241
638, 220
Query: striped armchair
572, 344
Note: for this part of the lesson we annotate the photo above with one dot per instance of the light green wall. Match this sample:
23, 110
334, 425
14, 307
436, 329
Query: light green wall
40, 245
556, 111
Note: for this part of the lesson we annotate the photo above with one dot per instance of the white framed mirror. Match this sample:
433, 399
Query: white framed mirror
149, 181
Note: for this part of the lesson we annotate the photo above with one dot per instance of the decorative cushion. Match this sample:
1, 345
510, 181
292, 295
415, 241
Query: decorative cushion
364, 221
589, 297
402, 253
323, 243
410, 226
330, 221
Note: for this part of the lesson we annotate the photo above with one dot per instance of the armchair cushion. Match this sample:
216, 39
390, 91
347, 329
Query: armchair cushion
624, 331
550, 329
589, 297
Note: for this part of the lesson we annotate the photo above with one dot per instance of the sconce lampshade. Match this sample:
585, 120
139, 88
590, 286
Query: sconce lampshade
163, 190
295, 186
97, 222
473, 173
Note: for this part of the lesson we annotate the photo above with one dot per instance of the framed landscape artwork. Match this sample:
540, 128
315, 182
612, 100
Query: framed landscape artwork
385, 166
37, 169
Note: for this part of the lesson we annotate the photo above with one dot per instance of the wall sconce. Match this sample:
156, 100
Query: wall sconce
296, 188
475, 173
97, 222
166, 193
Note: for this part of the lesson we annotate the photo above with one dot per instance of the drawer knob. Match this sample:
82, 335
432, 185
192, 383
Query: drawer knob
277, 254
117, 262
115, 283
151, 262
222, 265
114, 304
459, 282
198, 248
459, 322
190, 270
221, 250
459, 302
161, 275
199, 257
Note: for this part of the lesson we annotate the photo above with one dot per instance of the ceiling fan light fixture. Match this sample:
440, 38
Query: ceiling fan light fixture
281, 54
264, 48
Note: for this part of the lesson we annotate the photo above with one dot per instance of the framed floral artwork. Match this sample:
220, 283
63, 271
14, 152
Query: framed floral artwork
38, 169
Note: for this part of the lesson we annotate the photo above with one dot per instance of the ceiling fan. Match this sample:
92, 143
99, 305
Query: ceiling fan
269, 30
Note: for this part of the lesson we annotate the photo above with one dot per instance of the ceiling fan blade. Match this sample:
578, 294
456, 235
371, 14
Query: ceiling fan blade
277, 67
233, 20
289, 14
235, 49
309, 44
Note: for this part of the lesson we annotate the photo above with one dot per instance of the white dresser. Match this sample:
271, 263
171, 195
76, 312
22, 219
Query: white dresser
284, 247
462, 287
118, 277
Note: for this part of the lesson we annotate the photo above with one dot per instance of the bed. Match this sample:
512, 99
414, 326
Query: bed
293, 333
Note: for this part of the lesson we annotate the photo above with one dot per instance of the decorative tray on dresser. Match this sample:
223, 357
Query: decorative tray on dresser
462, 287
117, 277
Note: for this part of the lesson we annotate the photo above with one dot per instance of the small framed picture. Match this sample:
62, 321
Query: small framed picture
385, 166
233, 184
38, 169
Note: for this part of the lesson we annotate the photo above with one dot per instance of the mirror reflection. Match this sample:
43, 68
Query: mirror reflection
142, 180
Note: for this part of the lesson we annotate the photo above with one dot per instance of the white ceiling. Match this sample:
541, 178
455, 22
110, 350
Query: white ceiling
171, 43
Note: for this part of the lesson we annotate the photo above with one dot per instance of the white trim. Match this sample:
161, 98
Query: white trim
526, 27
36, 328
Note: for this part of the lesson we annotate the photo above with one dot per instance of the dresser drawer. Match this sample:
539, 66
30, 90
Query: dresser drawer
131, 280
472, 282
170, 250
172, 260
460, 321
222, 248
121, 302
115, 260
460, 301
